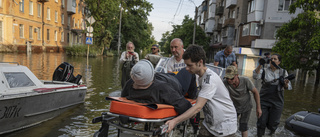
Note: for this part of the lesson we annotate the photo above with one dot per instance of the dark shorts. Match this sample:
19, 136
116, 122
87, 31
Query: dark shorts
243, 121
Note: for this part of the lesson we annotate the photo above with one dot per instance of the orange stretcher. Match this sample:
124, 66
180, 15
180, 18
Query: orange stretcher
123, 106
124, 111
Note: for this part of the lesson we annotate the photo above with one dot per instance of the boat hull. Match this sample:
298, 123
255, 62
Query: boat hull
26, 110
304, 123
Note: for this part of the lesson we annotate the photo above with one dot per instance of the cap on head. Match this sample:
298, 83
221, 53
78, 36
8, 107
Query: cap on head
142, 73
155, 45
231, 71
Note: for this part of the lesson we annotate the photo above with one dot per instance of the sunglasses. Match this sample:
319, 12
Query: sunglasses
153, 48
230, 79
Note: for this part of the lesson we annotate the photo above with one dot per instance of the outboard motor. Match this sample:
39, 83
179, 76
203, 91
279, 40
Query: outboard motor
64, 72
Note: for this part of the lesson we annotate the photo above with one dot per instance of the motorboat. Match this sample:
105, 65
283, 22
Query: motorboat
26, 101
305, 123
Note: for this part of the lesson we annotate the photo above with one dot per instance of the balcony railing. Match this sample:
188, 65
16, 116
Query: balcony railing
229, 21
43, 0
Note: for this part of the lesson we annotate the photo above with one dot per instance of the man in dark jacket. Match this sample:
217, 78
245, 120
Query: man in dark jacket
147, 86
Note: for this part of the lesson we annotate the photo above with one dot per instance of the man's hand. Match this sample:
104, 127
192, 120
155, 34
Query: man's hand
259, 112
171, 123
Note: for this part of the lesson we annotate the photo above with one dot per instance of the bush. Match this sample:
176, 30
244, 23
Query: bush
81, 50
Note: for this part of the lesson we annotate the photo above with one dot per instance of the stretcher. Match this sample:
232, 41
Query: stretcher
131, 118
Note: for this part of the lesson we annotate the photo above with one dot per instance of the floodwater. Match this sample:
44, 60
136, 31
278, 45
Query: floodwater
102, 77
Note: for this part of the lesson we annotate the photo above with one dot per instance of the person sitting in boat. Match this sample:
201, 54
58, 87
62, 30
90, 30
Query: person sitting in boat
148, 86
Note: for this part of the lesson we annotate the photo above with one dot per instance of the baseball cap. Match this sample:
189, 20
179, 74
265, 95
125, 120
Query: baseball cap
231, 71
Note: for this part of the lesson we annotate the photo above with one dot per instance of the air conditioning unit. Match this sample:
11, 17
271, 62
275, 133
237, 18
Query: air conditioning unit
35, 30
261, 22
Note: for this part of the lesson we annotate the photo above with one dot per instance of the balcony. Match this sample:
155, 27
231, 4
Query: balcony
71, 7
229, 22
231, 3
219, 10
217, 27
43, 0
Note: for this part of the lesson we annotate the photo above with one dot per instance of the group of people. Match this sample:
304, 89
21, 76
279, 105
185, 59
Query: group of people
222, 100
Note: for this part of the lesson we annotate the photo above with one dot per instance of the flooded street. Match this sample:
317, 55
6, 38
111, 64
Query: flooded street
102, 77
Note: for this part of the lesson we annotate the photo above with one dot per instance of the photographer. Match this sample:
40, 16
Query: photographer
275, 80
127, 60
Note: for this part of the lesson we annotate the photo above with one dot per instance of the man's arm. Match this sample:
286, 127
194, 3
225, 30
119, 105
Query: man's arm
235, 64
188, 114
257, 99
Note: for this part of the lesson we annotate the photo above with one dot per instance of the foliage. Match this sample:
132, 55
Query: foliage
134, 25
298, 41
185, 33
81, 50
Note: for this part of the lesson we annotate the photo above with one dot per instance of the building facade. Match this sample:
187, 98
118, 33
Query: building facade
249, 26
41, 25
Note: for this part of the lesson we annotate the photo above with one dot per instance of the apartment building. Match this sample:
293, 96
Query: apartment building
41, 25
249, 26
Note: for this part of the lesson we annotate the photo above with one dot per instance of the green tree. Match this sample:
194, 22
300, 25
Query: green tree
298, 41
185, 33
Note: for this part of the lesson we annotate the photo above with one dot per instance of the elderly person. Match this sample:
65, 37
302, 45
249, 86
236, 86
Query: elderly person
127, 60
176, 63
148, 86
271, 94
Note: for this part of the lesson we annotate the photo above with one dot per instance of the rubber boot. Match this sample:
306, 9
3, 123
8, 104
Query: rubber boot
260, 132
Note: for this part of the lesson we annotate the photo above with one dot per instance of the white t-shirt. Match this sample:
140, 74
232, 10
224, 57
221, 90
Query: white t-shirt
220, 116
175, 66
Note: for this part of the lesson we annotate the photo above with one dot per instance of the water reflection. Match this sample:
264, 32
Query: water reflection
102, 78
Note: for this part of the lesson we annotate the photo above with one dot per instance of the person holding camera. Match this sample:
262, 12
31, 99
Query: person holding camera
274, 81
127, 60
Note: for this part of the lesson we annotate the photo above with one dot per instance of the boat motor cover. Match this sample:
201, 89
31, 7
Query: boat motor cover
305, 123
64, 72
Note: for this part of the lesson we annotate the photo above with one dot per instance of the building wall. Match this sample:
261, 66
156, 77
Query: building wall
22, 23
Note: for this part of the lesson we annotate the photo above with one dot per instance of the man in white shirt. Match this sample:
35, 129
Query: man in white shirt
176, 63
220, 117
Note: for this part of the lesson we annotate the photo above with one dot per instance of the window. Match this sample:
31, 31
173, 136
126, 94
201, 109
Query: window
30, 32
55, 35
39, 33
79, 7
78, 24
0, 29
62, 18
0, 3
18, 79
21, 5
69, 18
48, 34
237, 12
74, 4
255, 29
48, 13
56, 16
68, 37
21, 31
284, 5
62, 3
275, 31
62, 36
30, 8
74, 22
251, 6
245, 30
39, 9
225, 32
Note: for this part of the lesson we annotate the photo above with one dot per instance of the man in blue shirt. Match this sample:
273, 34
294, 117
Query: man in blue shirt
225, 58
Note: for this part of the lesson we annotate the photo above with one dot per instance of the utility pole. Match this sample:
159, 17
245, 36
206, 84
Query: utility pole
119, 38
195, 25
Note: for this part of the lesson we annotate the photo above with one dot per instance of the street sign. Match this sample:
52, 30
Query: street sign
89, 40
89, 35
90, 29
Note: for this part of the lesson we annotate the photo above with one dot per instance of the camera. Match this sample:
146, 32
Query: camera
262, 61
290, 77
